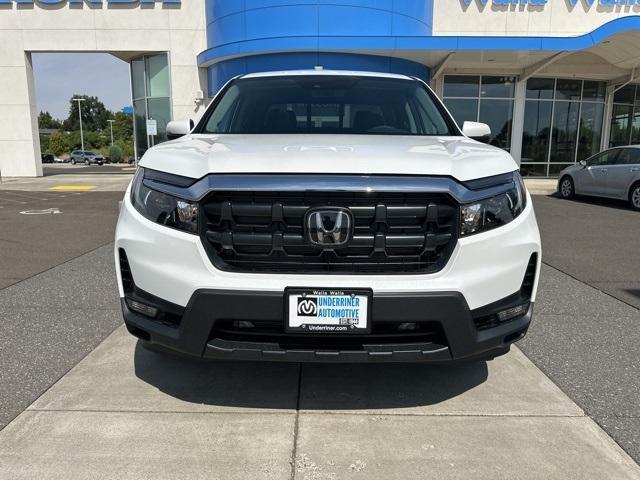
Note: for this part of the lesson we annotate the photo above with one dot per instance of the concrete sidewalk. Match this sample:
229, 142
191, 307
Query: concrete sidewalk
541, 186
128, 413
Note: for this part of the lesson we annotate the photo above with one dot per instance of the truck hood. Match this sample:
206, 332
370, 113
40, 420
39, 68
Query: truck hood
198, 155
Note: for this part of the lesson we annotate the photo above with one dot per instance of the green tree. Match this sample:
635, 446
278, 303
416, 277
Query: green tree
45, 120
44, 143
59, 144
123, 126
94, 114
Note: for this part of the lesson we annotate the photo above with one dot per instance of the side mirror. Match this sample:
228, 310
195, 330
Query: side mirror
477, 131
583, 163
179, 128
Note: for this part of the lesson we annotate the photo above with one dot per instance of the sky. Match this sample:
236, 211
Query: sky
58, 76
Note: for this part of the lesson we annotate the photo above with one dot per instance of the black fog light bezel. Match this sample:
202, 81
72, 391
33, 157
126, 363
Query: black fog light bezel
142, 303
142, 308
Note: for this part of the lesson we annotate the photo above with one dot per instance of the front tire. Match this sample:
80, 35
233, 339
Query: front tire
634, 196
567, 189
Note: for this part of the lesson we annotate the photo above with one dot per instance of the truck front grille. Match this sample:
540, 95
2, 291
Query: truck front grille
393, 232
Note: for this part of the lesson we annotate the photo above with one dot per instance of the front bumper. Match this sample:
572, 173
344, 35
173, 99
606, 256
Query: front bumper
171, 268
447, 329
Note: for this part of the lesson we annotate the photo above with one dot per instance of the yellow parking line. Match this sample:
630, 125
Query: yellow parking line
129, 169
72, 188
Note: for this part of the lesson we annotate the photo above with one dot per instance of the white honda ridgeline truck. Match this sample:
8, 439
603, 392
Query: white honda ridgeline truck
328, 216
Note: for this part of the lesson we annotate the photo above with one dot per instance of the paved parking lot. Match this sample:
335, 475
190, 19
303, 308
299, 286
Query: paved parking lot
44, 229
594, 240
126, 412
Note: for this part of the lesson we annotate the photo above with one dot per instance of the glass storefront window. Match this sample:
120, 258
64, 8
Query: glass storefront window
556, 168
537, 129
533, 169
562, 123
461, 86
462, 109
625, 95
591, 116
594, 90
137, 78
563, 134
498, 87
487, 99
159, 110
635, 127
498, 115
151, 98
568, 89
540, 88
140, 126
157, 75
625, 120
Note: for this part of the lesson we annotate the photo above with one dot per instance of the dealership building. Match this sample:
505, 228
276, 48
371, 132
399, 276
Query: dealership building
554, 79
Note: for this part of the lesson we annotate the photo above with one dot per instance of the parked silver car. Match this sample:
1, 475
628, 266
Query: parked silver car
613, 173
86, 157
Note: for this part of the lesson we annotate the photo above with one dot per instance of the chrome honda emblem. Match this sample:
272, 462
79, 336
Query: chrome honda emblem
328, 227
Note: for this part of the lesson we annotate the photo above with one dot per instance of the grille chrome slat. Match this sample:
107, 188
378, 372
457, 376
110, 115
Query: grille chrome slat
392, 233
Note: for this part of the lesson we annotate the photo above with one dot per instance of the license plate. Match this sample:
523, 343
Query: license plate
318, 311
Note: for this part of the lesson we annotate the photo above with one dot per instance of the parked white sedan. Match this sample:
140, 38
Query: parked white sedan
613, 173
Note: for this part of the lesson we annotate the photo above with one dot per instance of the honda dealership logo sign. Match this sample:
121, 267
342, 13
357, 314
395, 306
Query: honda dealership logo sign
89, 2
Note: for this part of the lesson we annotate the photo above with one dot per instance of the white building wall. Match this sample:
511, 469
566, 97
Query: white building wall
555, 18
125, 31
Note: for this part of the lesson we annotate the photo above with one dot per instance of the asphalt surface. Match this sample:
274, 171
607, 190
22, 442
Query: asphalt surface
52, 320
38, 239
594, 240
586, 330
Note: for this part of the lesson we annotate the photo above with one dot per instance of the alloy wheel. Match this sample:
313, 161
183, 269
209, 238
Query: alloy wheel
566, 188
635, 197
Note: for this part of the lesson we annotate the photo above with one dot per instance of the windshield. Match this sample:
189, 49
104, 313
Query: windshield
327, 105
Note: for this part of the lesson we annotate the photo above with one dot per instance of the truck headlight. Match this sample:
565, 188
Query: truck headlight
495, 211
161, 208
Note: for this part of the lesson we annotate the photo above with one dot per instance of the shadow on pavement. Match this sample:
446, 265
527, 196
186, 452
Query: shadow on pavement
597, 201
633, 291
322, 386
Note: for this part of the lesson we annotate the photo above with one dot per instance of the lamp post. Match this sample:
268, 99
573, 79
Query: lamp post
80, 100
111, 127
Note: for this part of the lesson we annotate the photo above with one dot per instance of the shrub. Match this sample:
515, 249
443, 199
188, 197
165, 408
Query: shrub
115, 153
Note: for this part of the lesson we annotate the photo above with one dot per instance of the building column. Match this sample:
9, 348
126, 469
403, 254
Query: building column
437, 85
606, 120
517, 124
19, 137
